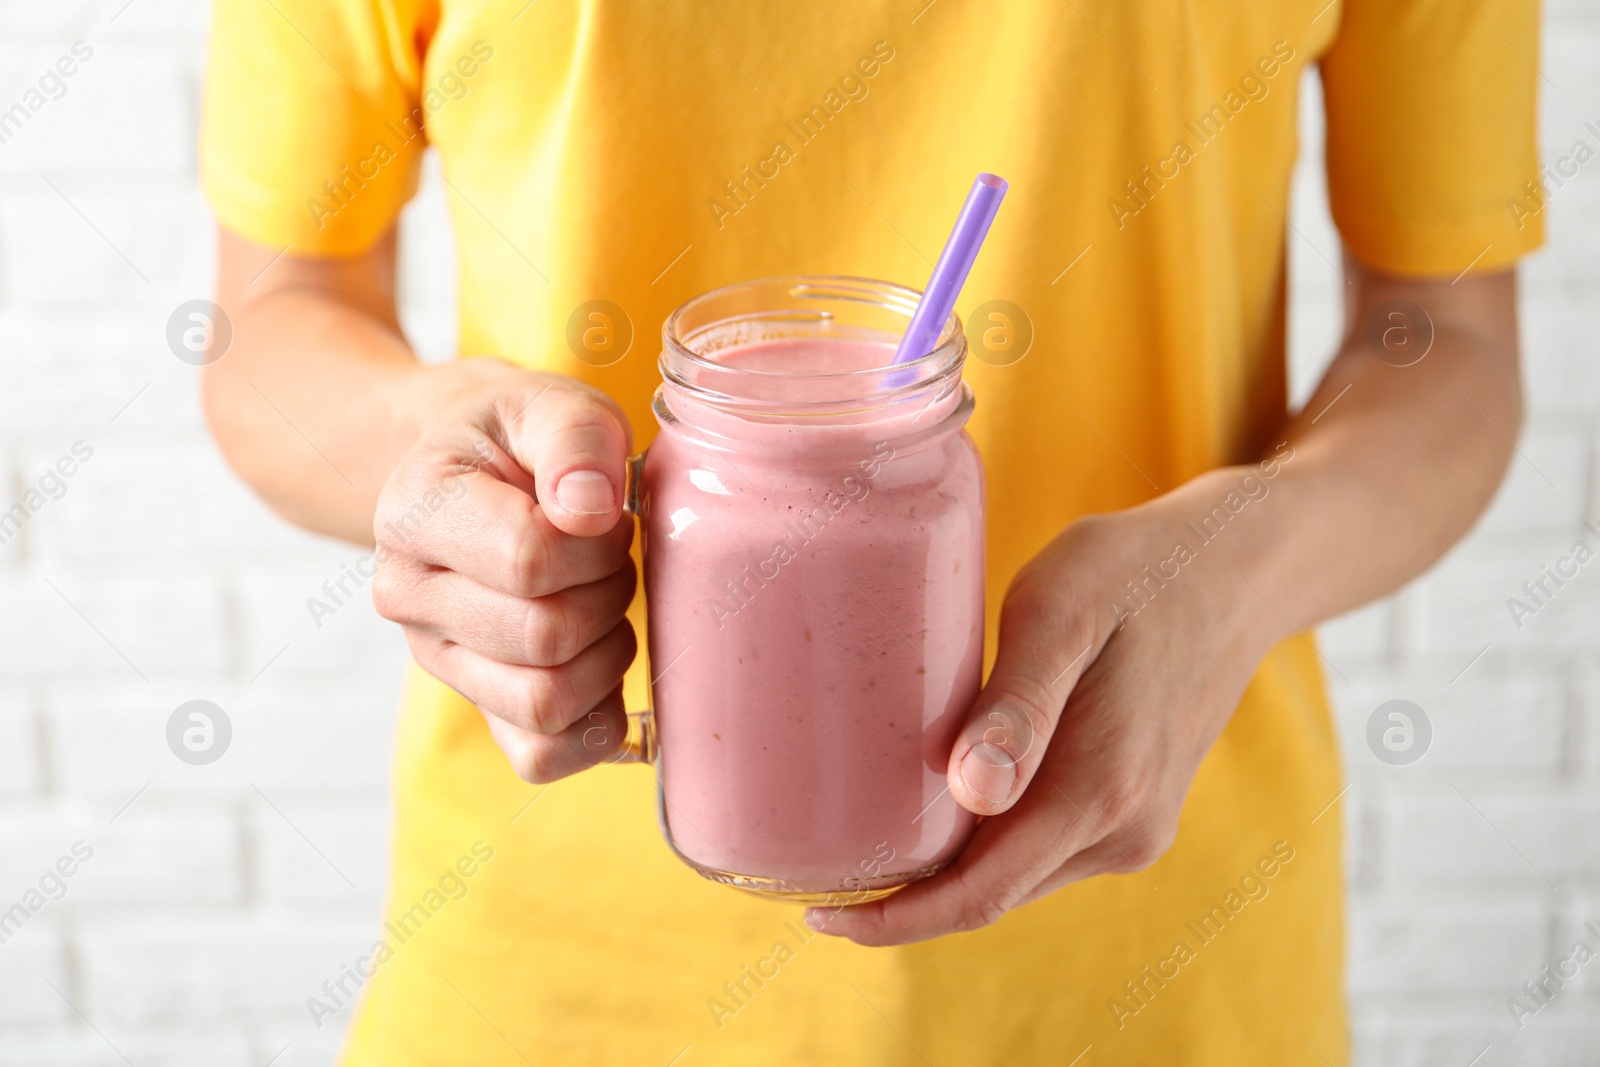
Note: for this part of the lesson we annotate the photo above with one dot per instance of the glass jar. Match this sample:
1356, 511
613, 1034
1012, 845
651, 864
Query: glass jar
813, 543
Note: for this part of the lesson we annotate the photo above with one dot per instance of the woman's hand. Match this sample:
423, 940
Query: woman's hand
503, 552
1102, 703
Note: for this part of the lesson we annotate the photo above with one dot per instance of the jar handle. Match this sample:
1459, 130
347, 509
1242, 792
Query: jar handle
640, 744
632, 475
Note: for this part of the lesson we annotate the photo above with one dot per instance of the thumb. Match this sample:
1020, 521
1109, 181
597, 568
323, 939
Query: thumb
574, 441
1000, 748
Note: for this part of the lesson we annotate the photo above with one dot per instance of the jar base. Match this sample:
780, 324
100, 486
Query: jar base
776, 889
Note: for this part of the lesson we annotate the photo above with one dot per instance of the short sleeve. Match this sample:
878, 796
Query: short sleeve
1432, 133
311, 135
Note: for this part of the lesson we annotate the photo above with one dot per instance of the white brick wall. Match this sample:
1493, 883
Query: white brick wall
205, 918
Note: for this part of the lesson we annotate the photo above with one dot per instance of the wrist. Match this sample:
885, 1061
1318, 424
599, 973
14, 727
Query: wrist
1233, 527
429, 390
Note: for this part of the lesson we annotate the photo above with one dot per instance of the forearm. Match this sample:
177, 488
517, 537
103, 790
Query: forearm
1390, 464
319, 395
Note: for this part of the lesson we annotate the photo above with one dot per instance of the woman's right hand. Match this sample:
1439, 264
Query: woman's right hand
503, 552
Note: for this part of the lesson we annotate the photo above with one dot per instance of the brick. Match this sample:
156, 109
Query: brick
20, 767
1363, 838
1563, 260
1428, 1036
204, 970
117, 743
1518, 839
20, 20
109, 742
35, 839
1567, 1040
302, 1046
1367, 1036
162, 625
169, 857
311, 870
1587, 746
427, 270
62, 380
1572, 926
53, 257
1559, 370
1549, 452
153, 853
34, 959
1497, 725
274, 614
89, 1049
182, 20
116, 113
202, 513
1556, 1037
1403, 942
327, 743
85, 1050
1464, 601
432, 332
1357, 637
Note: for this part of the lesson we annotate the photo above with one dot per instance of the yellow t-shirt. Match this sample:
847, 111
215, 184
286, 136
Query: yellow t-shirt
644, 152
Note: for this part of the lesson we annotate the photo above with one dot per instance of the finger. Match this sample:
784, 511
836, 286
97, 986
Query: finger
495, 534
597, 737
543, 632
1005, 860
1104, 858
575, 442
1040, 659
543, 700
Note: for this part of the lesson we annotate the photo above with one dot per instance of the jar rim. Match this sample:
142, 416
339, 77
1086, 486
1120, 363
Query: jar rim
911, 377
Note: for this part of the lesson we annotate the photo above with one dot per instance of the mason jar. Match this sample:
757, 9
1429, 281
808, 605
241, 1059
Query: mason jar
812, 524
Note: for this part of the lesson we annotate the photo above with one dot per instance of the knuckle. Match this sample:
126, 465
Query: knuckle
388, 509
1037, 718
529, 773
1126, 798
979, 906
391, 594
1051, 607
1025, 714
535, 769
546, 699
1094, 536
432, 654
630, 572
424, 652
527, 759
1121, 804
400, 509
1144, 848
600, 737
977, 912
527, 560
549, 637
629, 645
584, 407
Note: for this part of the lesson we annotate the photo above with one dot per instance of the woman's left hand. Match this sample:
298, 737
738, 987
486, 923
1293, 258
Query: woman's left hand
1101, 705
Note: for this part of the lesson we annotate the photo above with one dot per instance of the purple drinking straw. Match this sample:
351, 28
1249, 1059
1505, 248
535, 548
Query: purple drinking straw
939, 299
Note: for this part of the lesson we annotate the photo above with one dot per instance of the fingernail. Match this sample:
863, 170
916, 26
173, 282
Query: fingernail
586, 493
989, 772
817, 919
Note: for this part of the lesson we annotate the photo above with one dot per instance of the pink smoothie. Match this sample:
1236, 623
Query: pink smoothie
815, 589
